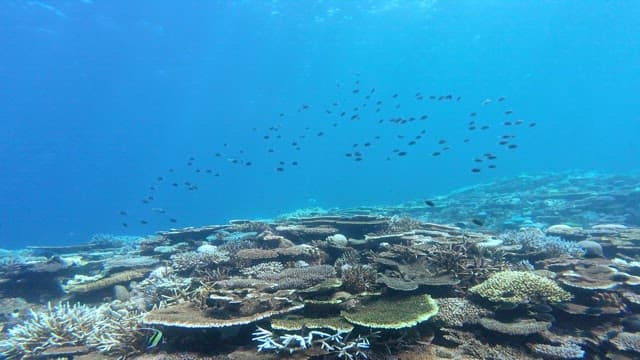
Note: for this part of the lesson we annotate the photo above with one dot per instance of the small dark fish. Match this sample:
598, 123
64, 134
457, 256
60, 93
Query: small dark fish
124, 224
358, 159
412, 142
266, 137
367, 144
343, 113
294, 163
395, 96
173, 220
170, 170
435, 153
123, 212
320, 133
477, 222
508, 112
355, 91
445, 148
478, 160
472, 127
248, 163
348, 154
279, 169
492, 166
466, 140
519, 122
281, 162
503, 142
281, 114
507, 123
441, 142
473, 114
532, 124
424, 117
429, 203
159, 178
144, 222
484, 127
175, 184
501, 98
402, 153
512, 146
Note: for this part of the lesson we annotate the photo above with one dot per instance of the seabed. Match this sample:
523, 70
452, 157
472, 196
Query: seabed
533, 267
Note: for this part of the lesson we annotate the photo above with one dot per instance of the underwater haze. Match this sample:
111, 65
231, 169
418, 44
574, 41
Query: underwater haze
129, 117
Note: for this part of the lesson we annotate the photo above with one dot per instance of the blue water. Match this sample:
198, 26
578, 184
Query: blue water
99, 98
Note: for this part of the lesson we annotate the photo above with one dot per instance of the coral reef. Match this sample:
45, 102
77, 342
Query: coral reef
347, 284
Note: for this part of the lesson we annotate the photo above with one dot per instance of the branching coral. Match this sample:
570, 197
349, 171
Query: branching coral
358, 278
532, 240
336, 343
98, 328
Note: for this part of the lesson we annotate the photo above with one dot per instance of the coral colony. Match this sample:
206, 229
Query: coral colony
413, 280
335, 343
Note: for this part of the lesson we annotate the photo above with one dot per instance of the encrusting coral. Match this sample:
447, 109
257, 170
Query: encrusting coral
520, 287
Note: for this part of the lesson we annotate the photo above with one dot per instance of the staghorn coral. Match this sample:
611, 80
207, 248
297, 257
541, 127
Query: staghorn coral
98, 328
520, 287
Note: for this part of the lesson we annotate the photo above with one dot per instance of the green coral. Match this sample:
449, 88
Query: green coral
394, 313
520, 287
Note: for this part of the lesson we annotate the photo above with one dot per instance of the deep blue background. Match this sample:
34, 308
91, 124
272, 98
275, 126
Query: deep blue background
98, 98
